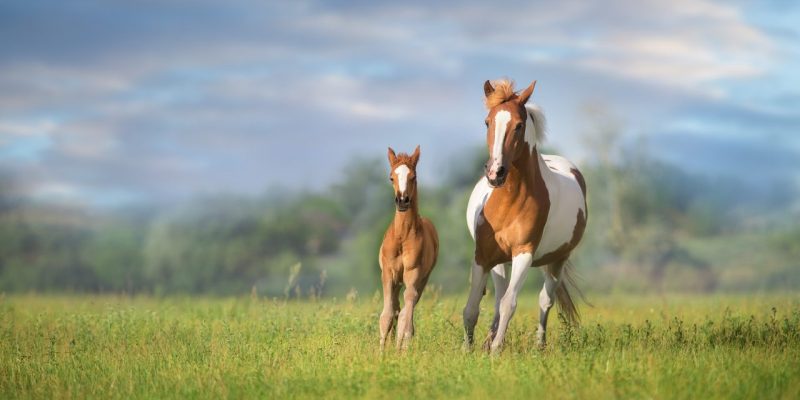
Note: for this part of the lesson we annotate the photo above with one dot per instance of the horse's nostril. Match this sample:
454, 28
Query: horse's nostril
501, 171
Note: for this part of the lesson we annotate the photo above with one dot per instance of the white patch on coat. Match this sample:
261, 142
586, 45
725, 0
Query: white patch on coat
402, 177
478, 198
566, 198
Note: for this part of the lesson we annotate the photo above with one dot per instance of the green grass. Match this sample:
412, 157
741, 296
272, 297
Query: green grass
628, 347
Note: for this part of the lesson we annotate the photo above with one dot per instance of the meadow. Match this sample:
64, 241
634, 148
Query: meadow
668, 346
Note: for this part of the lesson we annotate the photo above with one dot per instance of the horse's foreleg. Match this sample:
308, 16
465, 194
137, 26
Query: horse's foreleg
500, 285
519, 270
546, 299
390, 307
405, 322
472, 309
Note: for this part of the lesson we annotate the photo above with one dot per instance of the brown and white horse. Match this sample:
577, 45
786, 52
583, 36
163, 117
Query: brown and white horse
529, 209
408, 253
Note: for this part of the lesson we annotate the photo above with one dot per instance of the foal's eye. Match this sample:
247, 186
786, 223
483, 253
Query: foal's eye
518, 127
391, 179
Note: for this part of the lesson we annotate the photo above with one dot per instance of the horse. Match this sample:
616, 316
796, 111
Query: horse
408, 253
528, 209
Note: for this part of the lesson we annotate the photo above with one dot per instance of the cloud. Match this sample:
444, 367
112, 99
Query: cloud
166, 99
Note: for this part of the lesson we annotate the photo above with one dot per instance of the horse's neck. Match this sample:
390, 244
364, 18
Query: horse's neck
528, 168
407, 221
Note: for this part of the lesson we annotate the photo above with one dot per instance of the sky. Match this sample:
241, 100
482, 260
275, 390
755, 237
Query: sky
109, 103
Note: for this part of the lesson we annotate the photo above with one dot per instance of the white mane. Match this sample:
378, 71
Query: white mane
536, 125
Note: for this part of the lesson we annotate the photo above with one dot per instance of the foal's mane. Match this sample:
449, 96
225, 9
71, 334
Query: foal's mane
503, 92
404, 158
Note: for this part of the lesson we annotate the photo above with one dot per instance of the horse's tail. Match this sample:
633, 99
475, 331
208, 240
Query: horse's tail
563, 297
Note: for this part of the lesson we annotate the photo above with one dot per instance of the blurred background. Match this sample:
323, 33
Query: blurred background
198, 147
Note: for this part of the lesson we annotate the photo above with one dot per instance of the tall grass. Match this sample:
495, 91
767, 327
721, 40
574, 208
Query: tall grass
629, 347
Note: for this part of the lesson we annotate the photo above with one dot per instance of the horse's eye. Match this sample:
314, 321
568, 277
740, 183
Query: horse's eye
391, 179
487, 123
518, 127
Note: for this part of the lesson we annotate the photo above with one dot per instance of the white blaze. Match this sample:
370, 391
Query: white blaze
501, 120
402, 177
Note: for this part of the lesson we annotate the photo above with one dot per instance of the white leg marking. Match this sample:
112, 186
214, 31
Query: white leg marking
546, 301
472, 309
520, 265
402, 177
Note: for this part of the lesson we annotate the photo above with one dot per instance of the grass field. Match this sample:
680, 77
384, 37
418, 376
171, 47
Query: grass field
729, 347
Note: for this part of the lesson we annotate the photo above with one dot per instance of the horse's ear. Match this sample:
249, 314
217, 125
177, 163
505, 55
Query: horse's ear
415, 157
526, 94
392, 157
487, 88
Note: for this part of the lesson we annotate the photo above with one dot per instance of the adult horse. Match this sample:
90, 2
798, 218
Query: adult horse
529, 209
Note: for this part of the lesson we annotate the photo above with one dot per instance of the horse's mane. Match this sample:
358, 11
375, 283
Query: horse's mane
503, 92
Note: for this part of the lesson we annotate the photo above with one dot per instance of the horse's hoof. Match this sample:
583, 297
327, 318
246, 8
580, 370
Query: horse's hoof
487, 344
466, 347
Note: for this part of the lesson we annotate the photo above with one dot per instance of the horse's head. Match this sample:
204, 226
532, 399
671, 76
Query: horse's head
403, 176
506, 124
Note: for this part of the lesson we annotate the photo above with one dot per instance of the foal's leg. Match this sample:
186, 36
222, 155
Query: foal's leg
472, 309
500, 286
552, 273
519, 270
391, 305
405, 321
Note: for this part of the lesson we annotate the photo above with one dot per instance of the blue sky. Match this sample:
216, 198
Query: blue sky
105, 102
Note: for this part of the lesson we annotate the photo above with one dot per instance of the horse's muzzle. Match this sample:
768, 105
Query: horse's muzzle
496, 176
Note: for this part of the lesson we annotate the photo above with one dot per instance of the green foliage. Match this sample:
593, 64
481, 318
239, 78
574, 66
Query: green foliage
250, 347
651, 226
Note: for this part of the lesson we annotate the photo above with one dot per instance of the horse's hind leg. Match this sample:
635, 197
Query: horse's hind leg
500, 285
552, 274
391, 305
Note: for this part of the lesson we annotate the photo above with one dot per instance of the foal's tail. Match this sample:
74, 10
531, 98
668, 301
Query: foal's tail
565, 303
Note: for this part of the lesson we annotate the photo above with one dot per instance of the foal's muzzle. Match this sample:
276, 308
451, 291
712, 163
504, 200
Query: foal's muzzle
402, 202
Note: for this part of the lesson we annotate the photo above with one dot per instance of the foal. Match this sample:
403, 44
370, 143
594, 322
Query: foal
408, 253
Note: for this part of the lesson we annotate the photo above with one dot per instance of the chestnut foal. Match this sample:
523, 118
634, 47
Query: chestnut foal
408, 253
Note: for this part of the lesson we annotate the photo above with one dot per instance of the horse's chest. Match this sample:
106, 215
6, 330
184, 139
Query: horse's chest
508, 228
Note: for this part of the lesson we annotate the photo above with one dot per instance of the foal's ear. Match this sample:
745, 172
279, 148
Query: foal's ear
392, 157
415, 157
487, 88
526, 94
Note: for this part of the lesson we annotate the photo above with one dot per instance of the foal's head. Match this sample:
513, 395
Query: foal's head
403, 176
506, 123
